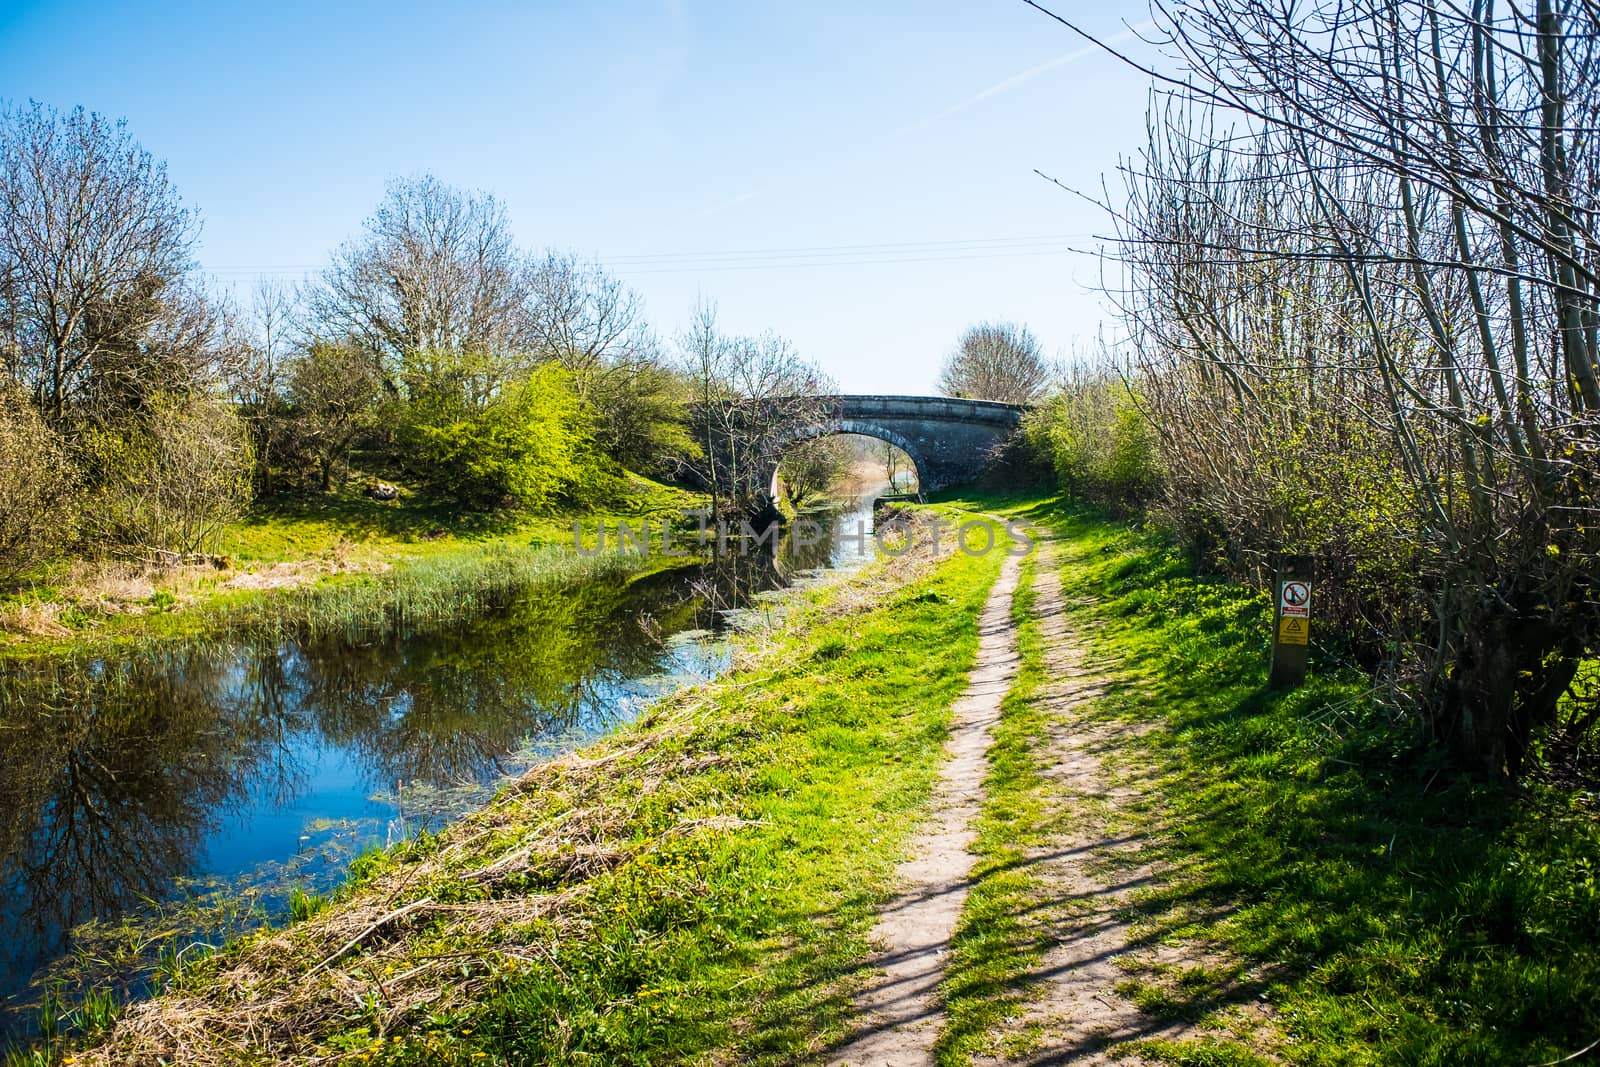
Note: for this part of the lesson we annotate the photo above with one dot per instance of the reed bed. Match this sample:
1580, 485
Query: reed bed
423, 593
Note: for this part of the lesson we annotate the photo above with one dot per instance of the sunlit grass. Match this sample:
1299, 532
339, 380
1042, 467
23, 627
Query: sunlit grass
743, 834
1394, 909
364, 566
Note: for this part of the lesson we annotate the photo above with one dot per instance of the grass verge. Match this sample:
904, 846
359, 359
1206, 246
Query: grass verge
1390, 909
697, 888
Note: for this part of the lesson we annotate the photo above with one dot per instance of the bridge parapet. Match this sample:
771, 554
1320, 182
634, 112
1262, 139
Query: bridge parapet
944, 408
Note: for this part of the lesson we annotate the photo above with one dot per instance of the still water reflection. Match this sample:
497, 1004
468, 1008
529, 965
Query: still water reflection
232, 775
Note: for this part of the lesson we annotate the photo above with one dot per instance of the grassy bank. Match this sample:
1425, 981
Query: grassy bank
1389, 909
338, 563
697, 888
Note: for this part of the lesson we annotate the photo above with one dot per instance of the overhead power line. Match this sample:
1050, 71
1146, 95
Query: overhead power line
815, 256
971, 244
853, 262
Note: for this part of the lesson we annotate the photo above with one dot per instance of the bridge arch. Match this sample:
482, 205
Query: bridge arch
840, 427
950, 439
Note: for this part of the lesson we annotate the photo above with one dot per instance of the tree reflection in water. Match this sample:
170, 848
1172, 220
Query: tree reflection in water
121, 779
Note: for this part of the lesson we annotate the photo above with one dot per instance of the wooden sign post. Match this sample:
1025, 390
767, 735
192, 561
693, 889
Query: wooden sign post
1291, 621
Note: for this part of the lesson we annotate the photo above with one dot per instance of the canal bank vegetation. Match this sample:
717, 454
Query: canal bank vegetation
1335, 866
151, 428
699, 883
338, 565
164, 444
1356, 266
120, 771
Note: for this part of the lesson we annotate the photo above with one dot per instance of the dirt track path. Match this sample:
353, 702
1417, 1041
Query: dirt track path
1089, 875
1075, 1013
900, 1011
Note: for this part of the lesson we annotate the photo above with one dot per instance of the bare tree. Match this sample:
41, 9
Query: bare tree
897, 467
593, 325
754, 397
435, 270
811, 468
996, 361
585, 317
94, 252
258, 380
1362, 292
704, 354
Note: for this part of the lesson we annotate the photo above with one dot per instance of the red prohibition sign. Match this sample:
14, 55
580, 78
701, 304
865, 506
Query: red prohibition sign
1295, 594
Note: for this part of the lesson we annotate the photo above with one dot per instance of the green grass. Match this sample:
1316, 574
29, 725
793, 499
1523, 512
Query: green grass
1390, 909
749, 830
744, 942
401, 564
997, 942
292, 527
1323, 856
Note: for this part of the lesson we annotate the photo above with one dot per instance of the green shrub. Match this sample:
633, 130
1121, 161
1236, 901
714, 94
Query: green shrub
167, 480
1102, 447
37, 483
528, 445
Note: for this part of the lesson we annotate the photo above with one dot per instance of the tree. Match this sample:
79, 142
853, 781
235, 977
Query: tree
168, 479
753, 398
333, 392
897, 466
258, 382
594, 326
641, 416
812, 467
704, 352
524, 447
435, 270
94, 255
1360, 284
996, 361
584, 317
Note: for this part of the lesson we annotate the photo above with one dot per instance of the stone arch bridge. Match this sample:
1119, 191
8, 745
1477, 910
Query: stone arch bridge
949, 439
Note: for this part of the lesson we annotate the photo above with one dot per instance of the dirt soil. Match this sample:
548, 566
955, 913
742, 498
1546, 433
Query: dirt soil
1076, 1016
900, 1016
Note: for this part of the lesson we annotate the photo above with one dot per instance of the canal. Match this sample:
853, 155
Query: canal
153, 806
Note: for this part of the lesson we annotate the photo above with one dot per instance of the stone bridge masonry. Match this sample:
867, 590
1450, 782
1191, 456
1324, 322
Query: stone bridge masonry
950, 440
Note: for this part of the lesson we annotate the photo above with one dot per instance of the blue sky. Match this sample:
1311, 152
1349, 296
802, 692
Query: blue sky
872, 164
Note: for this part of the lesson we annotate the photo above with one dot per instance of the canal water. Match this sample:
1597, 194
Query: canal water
152, 806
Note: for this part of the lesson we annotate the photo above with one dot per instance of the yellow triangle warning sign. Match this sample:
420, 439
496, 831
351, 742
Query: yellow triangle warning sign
1292, 630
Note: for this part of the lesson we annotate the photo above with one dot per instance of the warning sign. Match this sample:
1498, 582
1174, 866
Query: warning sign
1295, 599
1293, 630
